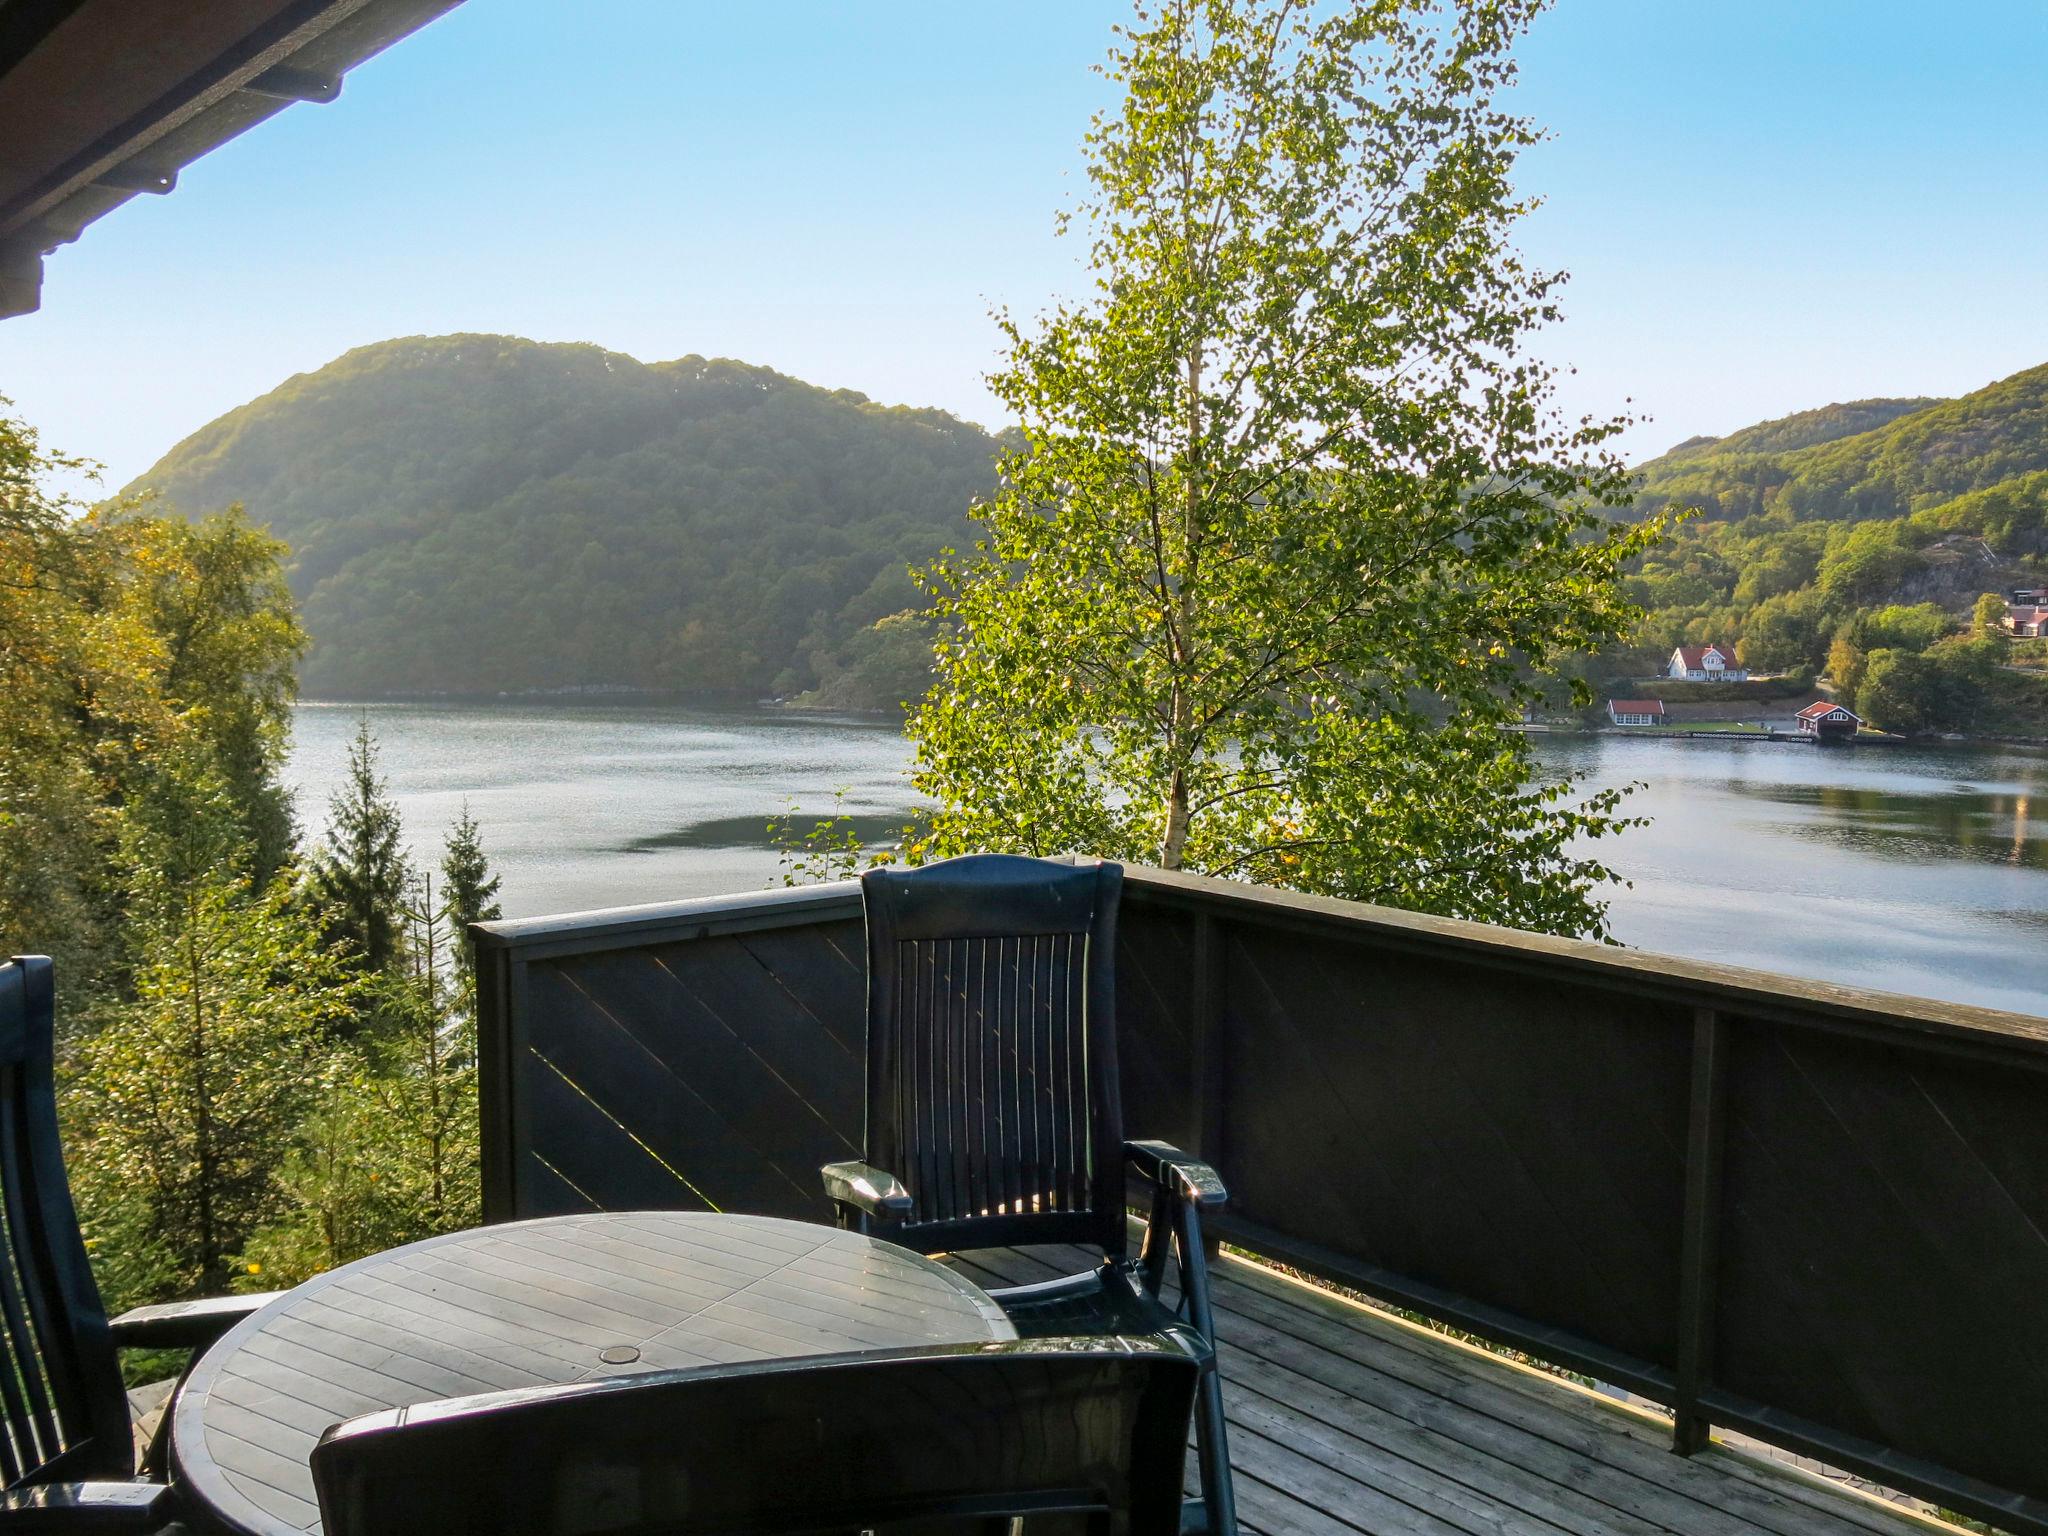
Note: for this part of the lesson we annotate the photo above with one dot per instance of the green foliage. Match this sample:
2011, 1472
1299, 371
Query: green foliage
125, 641
1898, 692
1877, 459
879, 669
1866, 552
1779, 570
391, 1155
823, 849
359, 871
1846, 659
1803, 429
1863, 564
1812, 523
2013, 704
1899, 626
227, 1117
215, 593
2011, 516
1759, 689
1294, 528
1987, 616
697, 526
472, 897
189, 1092
1951, 685
1782, 632
330, 1182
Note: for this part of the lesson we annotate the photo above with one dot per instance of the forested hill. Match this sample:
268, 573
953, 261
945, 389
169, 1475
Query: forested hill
1870, 458
1859, 532
474, 514
1802, 429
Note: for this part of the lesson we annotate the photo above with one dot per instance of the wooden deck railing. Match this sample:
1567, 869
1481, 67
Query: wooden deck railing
1816, 1215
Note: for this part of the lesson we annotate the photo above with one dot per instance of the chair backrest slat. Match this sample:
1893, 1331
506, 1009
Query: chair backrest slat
27, 1388
992, 1089
60, 1385
937, 1439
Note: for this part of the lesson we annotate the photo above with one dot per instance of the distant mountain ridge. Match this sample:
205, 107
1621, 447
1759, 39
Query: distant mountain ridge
481, 514
477, 514
1865, 459
1802, 429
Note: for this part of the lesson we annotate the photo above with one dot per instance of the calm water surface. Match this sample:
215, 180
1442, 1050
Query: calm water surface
1918, 870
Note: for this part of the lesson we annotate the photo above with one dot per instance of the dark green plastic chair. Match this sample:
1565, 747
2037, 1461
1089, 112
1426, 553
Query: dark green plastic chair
994, 1117
955, 1437
67, 1449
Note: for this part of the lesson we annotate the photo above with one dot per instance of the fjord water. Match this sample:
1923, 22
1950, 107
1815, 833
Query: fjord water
1921, 870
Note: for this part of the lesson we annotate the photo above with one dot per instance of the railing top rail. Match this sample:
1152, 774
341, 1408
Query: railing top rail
1670, 978
1697, 982
664, 921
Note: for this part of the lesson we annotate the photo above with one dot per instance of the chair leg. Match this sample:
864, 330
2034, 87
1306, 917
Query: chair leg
1212, 1454
1212, 1444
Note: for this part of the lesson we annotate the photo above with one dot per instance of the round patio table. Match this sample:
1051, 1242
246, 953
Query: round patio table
536, 1303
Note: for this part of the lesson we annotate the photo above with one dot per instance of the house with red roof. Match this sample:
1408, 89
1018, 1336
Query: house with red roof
1830, 722
1706, 664
1636, 711
2026, 621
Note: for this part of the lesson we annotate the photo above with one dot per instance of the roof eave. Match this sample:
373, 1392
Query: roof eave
299, 53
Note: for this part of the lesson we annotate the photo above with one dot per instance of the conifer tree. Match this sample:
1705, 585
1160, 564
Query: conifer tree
187, 1096
470, 895
432, 1093
360, 871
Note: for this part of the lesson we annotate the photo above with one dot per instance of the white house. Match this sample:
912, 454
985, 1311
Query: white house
1636, 711
1706, 664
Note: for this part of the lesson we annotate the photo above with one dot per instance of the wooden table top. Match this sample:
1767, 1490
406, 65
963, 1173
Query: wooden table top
537, 1303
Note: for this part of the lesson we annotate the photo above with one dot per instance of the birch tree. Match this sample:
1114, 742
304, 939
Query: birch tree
1295, 525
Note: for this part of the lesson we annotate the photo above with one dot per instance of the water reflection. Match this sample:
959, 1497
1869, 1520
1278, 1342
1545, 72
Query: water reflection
1920, 870
1963, 823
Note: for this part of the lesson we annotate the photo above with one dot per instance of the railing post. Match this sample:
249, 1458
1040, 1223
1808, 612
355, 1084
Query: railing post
1701, 1233
495, 986
1206, 1086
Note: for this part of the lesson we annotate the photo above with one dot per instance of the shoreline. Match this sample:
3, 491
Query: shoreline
649, 696
1795, 737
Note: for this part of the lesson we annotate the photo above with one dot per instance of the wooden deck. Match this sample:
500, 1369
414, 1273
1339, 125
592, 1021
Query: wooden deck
1345, 1418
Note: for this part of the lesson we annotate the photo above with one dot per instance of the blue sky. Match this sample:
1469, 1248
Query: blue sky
1766, 205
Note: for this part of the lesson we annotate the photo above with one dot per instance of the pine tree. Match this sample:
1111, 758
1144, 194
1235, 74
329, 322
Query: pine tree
360, 871
189, 1095
390, 1154
436, 1091
470, 895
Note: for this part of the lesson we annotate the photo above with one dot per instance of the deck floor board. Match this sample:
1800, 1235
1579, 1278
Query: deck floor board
1346, 1419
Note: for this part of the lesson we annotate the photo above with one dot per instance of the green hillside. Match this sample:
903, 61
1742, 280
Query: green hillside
482, 514
1802, 429
1872, 458
1822, 541
474, 514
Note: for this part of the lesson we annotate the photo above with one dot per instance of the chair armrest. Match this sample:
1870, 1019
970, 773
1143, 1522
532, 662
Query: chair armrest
1192, 1180
85, 1509
185, 1324
866, 1189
